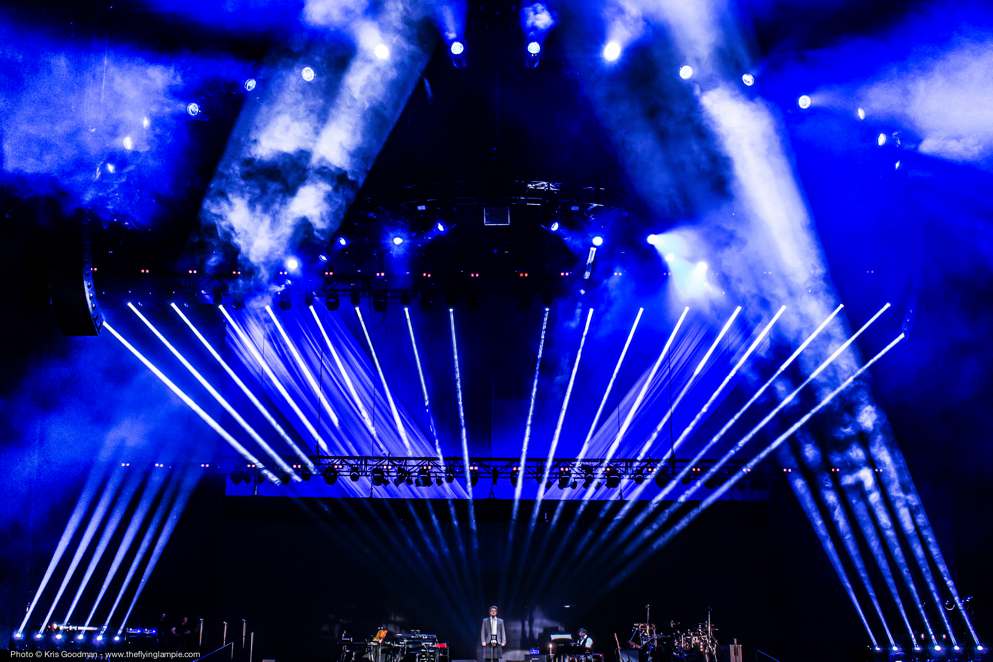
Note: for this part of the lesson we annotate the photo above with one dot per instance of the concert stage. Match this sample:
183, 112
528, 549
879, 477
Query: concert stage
661, 327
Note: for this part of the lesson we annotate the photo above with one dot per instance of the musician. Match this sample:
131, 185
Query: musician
583, 639
492, 635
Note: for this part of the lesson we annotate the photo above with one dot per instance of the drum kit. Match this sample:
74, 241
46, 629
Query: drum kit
647, 644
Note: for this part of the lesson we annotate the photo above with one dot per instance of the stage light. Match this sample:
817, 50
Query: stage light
881, 139
381, 51
307, 74
611, 51
354, 476
534, 47
249, 84
450, 475
128, 143
80, 636
956, 647
597, 240
292, 263
111, 168
342, 241
515, 475
146, 122
748, 79
193, 109
804, 101
397, 241
473, 475
980, 648
554, 227
116, 638
424, 477
653, 239
18, 636
564, 480
686, 72
37, 636
58, 636
612, 477
98, 638
378, 477
937, 648
860, 113
457, 47
330, 475
440, 227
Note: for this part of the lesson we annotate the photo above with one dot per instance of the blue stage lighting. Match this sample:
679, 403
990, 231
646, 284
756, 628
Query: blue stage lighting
37, 636
98, 638
58, 636
193, 108
937, 648
860, 113
748, 79
342, 241
128, 143
881, 139
440, 227
80, 636
597, 240
250, 84
653, 239
686, 72
611, 51
307, 73
292, 263
397, 240
534, 47
956, 647
381, 51
457, 48
554, 227
804, 101
980, 648
18, 636
117, 638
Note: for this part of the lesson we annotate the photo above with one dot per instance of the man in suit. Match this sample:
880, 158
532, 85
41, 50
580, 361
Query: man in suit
493, 636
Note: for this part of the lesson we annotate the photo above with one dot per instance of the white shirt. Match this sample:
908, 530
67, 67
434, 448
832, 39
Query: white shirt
586, 642
493, 626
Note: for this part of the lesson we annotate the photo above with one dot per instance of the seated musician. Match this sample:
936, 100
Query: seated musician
583, 639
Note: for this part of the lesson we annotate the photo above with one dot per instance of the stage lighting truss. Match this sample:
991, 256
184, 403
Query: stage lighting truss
566, 473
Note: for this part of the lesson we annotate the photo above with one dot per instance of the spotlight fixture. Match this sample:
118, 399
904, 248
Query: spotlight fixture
378, 477
881, 139
37, 636
611, 51
381, 51
611, 477
860, 113
440, 227
342, 241
748, 79
515, 475
330, 474
686, 72
397, 240
193, 109
307, 74
804, 101
597, 240
449, 475
424, 477
354, 475
473, 475
457, 48
250, 84
534, 48
292, 263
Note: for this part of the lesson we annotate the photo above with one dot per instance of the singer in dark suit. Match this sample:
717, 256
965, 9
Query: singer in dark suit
493, 636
